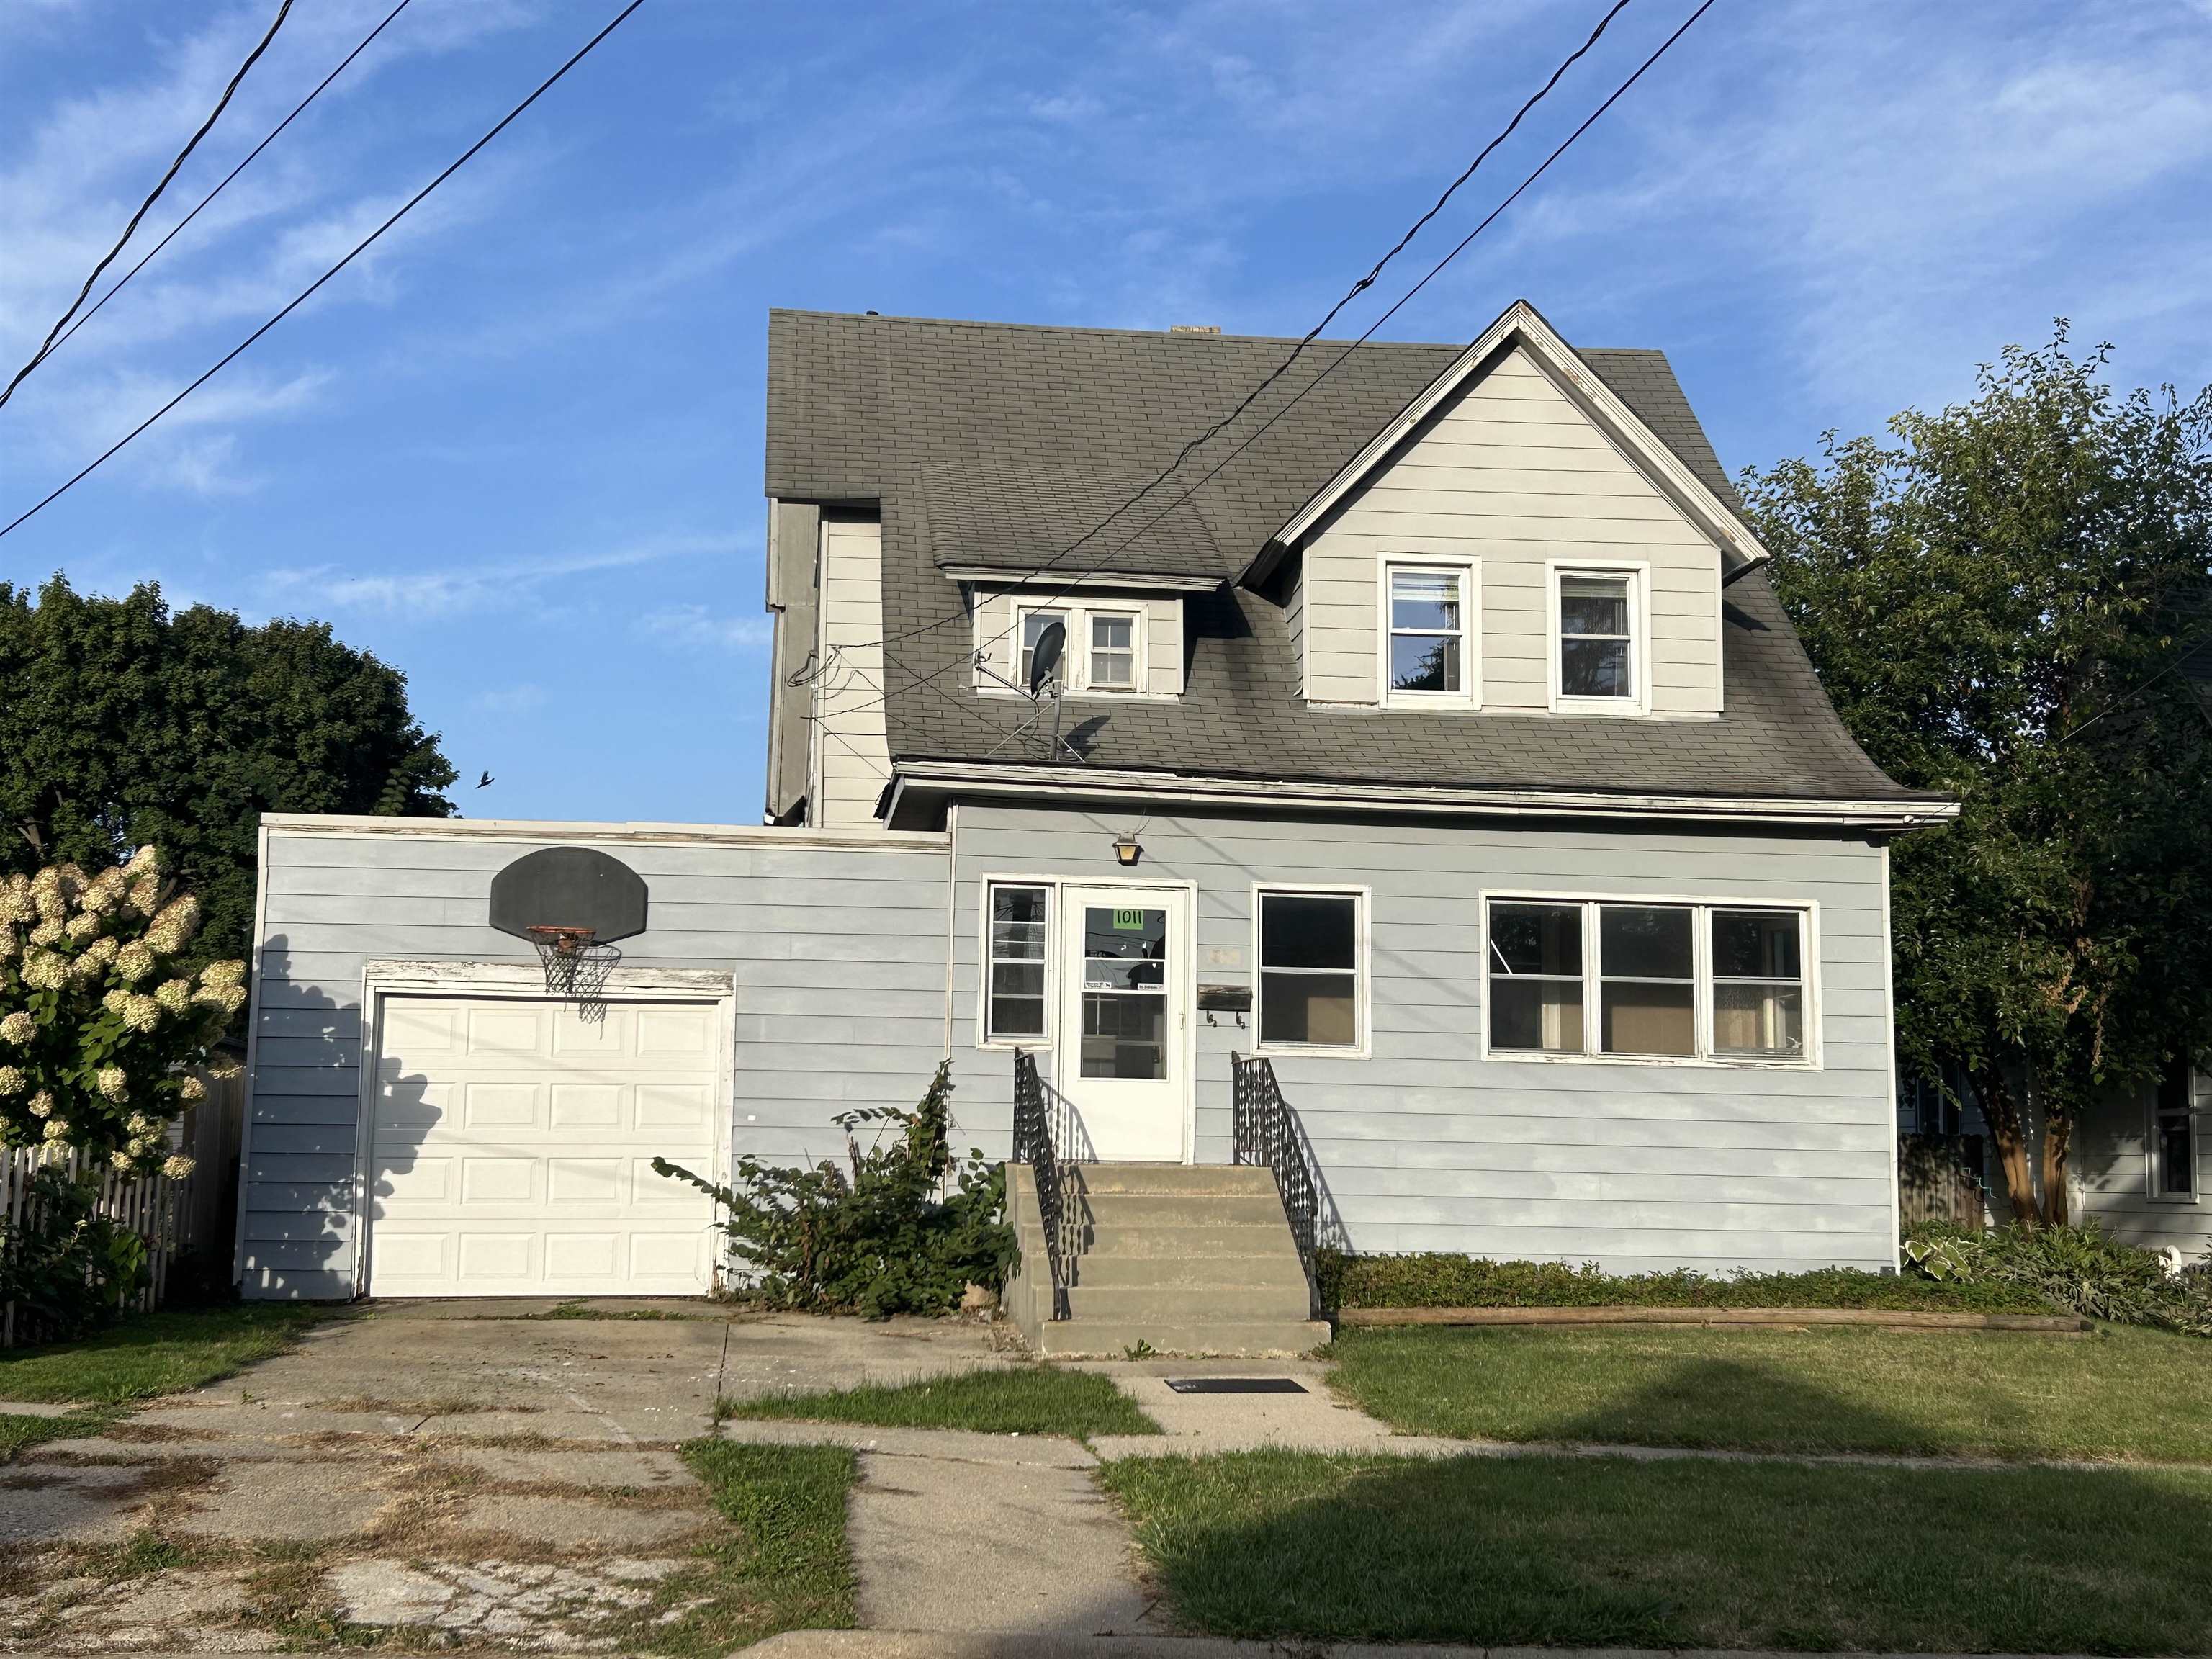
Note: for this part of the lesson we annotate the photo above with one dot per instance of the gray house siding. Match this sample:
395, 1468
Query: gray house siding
2111, 1158
1427, 1147
835, 949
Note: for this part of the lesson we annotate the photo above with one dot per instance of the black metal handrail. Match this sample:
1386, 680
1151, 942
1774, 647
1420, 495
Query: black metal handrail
1034, 1145
1267, 1134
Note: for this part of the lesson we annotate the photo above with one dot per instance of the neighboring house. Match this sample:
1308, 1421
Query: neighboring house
1432, 737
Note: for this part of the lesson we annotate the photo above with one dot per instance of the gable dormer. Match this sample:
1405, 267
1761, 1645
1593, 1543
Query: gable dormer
1518, 541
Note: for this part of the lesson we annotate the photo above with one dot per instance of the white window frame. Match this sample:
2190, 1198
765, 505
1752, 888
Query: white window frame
1363, 959
1075, 660
2196, 1099
1702, 906
1638, 573
1469, 572
1049, 886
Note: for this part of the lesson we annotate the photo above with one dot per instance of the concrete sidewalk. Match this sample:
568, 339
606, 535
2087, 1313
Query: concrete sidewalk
924, 1645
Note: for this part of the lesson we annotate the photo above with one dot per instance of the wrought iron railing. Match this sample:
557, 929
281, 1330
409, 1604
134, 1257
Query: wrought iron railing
1266, 1133
1036, 1146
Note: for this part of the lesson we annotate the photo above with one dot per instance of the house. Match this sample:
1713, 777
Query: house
1425, 810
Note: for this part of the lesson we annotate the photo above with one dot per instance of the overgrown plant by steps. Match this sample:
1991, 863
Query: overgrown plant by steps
2082, 1268
879, 1234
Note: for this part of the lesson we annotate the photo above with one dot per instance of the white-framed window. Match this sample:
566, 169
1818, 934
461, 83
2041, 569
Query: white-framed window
1601, 639
1017, 966
1312, 964
1657, 980
1103, 652
2174, 1122
1430, 648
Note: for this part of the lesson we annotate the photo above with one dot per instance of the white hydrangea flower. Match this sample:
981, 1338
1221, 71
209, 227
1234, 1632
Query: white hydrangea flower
121, 1159
139, 1124
190, 1088
141, 1013
224, 972
82, 925
174, 994
48, 932
178, 1167
13, 1081
45, 970
144, 896
145, 861
104, 892
228, 997
7, 943
171, 930
114, 1000
46, 894
57, 1129
113, 1084
17, 1028
42, 1103
134, 962
15, 904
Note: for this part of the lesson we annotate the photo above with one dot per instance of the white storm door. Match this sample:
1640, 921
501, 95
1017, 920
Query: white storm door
1121, 1056
513, 1146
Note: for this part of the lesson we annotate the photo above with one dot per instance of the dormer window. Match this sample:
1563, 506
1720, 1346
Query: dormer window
1113, 651
1429, 655
1600, 638
1034, 623
1104, 652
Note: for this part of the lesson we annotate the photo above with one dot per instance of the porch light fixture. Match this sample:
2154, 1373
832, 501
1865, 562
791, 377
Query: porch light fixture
1125, 848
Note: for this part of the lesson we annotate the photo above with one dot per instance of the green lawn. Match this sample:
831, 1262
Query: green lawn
784, 1566
17, 1431
1610, 1553
155, 1353
1025, 1400
2123, 1394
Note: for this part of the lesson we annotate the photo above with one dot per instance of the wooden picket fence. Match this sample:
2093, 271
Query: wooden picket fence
149, 1205
1939, 1180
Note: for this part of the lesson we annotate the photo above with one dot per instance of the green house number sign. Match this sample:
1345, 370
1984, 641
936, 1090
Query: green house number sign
1128, 921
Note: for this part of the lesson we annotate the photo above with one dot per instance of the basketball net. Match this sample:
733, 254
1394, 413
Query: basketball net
576, 967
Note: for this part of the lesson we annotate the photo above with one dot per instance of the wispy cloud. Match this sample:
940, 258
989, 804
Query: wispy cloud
444, 593
695, 626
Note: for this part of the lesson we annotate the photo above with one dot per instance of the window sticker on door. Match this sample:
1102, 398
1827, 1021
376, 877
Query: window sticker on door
1128, 921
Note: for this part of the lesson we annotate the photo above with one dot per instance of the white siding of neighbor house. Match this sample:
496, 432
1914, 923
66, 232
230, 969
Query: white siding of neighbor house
1000, 644
1514, 474
1426, 1146
2111, 1158
852, 760
837, 952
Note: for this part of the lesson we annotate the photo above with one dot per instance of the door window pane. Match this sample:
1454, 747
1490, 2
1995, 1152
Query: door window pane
1596, 637
1759, 991
1017, 965
1427, 634
1648, 979
1309, 969
1536, 977
1125, 1004
1113, 653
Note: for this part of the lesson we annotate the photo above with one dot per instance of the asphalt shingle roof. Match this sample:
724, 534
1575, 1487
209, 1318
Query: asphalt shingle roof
995, 445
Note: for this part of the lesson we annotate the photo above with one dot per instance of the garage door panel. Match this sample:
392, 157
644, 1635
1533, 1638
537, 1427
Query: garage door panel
514, 1146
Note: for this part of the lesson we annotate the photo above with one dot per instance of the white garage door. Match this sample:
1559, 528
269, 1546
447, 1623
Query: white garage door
513, 1148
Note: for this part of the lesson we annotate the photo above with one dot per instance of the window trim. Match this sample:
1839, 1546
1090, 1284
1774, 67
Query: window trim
1075, 661
1702, 906
1363, 962
1638, 573
2197, 1094
1469, 571
1049, 886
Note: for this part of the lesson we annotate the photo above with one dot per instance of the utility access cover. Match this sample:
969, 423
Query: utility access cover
1236, 1385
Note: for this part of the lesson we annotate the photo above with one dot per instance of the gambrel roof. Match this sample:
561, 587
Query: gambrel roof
994, 446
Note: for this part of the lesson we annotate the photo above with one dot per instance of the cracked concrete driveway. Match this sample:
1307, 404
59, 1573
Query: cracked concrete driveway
488, 1474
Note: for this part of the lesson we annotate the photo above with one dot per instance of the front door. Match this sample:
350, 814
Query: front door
1122, 1067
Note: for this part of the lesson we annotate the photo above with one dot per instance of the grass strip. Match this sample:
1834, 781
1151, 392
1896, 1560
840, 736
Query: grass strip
17, 1431
155, 1353
1004, 1399
1609, 1553
785, 1566
2121, 1395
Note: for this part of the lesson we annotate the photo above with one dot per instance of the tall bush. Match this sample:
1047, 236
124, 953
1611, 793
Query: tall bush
2082, 1268
878, 1234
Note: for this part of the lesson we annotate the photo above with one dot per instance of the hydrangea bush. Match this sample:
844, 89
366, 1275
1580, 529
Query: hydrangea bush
102, 1036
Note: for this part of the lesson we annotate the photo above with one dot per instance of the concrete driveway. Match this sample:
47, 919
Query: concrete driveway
476, 1471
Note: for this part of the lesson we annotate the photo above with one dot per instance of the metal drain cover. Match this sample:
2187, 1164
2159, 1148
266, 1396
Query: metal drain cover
1236, 1385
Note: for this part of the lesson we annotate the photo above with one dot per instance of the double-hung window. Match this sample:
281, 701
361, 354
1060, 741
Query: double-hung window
1429, 654
1113, 665
2173, 1148
1103, 650
1598, 641
1034, 624
1310, 973
1668, 981
1014, 970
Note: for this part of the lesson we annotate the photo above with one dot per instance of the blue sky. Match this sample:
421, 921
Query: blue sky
516, 451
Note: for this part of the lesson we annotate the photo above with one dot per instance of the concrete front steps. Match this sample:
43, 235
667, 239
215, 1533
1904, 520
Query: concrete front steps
1194, 1259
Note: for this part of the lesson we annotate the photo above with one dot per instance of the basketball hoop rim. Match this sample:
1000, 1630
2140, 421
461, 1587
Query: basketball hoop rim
561, 938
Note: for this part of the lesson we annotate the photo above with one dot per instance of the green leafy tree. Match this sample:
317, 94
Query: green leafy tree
122, 725
2004, 603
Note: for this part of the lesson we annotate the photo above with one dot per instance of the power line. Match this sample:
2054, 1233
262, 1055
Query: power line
343, 64
358, 249
146, 206
1074, 582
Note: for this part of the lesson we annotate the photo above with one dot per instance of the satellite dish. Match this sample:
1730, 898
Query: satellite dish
1044, 656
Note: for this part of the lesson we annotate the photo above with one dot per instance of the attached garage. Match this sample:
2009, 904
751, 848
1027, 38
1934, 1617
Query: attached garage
513, 1140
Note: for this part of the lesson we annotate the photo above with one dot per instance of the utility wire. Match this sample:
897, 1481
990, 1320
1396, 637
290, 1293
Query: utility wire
1074, 582
344, 64
146, 206
358, 249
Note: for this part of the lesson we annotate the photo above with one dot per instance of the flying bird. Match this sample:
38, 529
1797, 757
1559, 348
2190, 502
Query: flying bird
484, 782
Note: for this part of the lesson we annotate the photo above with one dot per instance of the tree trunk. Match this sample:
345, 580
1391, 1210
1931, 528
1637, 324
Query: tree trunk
2001, 1110
2057, 1141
